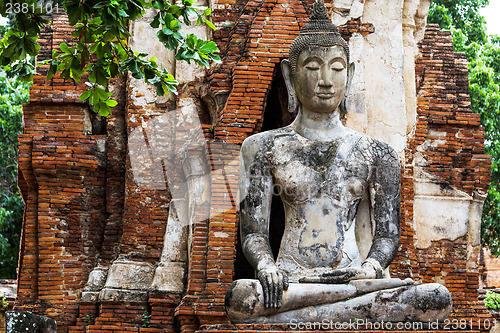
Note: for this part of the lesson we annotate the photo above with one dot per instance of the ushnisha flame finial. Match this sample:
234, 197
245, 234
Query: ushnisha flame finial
319, 11
319, 21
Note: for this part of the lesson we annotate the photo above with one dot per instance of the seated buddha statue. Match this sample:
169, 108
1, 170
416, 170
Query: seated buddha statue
323, 171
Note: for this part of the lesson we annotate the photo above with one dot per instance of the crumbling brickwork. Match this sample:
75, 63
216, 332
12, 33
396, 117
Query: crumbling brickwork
491, 274
451, 143
62, 180
84, 207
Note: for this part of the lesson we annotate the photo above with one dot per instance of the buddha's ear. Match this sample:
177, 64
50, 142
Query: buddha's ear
286, 70
350, 74
343, 103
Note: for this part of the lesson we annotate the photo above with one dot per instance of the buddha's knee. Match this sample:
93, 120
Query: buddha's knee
428, 301
244, 300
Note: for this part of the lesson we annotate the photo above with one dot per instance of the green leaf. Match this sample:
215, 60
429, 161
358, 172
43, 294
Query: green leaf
64, 47
185, 16
108, 36
156, 22
101, 93
159, 89
113, 69
137, 75
74, 14
101, 4
134, 67
215, 58
173, 24
209, 23
111, 103
149, 73
75, 63
191, 41
95, 21
103, 109
51, 72
122, 13
93, 47
10, 50
85, 95
101, 76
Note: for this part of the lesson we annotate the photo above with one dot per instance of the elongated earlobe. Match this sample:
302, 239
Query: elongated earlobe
286, 70
343, 103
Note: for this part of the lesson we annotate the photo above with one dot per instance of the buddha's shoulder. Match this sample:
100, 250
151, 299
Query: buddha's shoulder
265, 140
376, 149
368, 141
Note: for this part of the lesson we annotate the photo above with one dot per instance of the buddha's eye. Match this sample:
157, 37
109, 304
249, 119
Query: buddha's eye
312, 65
337, 66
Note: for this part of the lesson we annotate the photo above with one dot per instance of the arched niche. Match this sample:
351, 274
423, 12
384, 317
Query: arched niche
275, 116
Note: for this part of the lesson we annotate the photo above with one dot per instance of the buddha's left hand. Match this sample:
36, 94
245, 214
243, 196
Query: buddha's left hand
344, 275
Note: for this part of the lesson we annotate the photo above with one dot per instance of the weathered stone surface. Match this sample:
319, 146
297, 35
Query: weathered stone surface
176, 234
313, 247
384, 108
131, 275
170, 276
8, 289
89, 296
443, 212
245, 298
421, 302
97, 279
25, 321
322, 171
123, 295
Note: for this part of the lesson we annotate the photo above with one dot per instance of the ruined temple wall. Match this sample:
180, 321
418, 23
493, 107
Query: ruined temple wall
492, 270
451, 174
62, 181
115, 217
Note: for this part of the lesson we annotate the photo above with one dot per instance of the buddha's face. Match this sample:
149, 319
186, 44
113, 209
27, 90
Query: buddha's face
320, 78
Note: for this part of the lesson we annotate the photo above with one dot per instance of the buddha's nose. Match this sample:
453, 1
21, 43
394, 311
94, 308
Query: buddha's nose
326, 79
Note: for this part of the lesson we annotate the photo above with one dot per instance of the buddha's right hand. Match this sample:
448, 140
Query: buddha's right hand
273, 281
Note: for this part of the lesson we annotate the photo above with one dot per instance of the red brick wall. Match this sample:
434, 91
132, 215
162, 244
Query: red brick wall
444, 114
492, 270
62, 180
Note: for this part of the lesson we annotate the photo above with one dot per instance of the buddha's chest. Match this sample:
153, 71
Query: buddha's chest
303, 170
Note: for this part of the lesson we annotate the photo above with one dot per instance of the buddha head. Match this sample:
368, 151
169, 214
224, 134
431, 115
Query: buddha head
318, 73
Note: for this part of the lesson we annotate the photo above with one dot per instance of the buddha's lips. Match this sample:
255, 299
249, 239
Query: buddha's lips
325, 95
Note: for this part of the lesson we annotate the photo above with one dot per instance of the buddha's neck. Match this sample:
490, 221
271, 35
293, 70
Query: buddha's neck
325, 127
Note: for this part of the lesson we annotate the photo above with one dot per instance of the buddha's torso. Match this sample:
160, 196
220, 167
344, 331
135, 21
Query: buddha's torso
321, 185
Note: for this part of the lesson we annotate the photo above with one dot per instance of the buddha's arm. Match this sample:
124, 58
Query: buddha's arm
385, 198
255, 206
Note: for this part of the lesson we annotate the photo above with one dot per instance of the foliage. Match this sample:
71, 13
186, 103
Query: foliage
492, 300
101, 49
483, 55
89, 319
12, 94
4, 302
146, 319
462, 15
